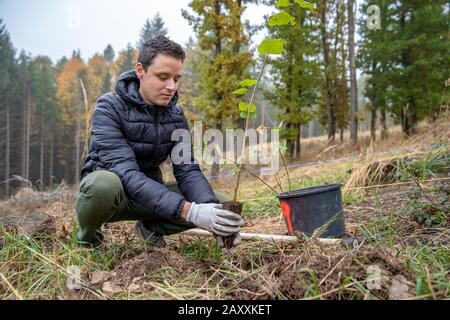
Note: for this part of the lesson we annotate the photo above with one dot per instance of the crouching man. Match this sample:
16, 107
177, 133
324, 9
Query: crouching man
131, 137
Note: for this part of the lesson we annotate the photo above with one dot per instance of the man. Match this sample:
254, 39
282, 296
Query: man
131, 137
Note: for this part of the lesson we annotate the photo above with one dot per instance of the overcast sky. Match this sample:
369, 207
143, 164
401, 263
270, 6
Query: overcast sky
56, 27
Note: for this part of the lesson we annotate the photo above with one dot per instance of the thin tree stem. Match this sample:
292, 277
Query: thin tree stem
246, 127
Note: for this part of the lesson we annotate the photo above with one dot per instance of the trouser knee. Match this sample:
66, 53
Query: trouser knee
99, 196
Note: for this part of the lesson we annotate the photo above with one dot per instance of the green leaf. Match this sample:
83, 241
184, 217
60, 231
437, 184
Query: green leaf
243, 115
281, 19
306, 5
282, 3
253, 115
240, 91
235, 170
271, 46
282, 146
247, 83
243, 106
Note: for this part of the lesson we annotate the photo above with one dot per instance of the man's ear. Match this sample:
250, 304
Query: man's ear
139, 70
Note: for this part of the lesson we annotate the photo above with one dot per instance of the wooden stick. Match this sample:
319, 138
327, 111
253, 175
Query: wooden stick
260, 236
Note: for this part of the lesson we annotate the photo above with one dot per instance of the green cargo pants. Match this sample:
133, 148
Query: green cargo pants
101, 198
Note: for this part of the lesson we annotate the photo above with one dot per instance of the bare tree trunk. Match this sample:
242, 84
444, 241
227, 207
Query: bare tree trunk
237, 43
290, 148
41, 151
77, 151
413, 108
341, 135
410, 113
263, 112
326, 54
23, 149
7, 151
404, 118
295, 149
373, 119
311, 129
383, 125
27, 161
50, 162
353, 83
215, 168
298, 143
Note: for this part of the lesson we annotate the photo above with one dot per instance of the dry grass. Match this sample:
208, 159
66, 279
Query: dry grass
413, 257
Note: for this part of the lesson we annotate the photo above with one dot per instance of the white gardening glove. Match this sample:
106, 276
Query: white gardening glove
211, 217
236, 241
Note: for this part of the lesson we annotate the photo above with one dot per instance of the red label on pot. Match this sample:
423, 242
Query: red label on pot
287, 215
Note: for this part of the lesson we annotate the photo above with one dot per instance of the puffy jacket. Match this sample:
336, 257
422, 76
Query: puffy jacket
132, 138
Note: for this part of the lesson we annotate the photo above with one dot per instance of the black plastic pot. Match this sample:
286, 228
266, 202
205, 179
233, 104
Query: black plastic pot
305, 210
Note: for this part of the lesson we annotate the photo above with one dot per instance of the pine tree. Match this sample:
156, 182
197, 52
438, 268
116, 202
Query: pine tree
151, 29
107, 82
43, 89
407, 76
221, 38
126, 60
296, 75
7, 83
108, 54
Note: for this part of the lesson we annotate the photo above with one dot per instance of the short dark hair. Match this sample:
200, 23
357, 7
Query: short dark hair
159, 45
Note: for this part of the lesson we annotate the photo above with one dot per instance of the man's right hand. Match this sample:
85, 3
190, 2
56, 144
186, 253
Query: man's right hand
212, 217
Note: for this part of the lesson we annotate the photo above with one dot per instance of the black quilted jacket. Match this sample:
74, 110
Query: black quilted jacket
132, 139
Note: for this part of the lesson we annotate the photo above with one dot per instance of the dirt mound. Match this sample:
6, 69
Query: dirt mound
32, 225
322, 274
149, 263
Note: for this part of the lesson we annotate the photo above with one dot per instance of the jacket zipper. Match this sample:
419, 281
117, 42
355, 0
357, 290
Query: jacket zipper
155, 121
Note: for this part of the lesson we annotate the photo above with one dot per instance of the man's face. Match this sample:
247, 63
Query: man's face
159, 84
